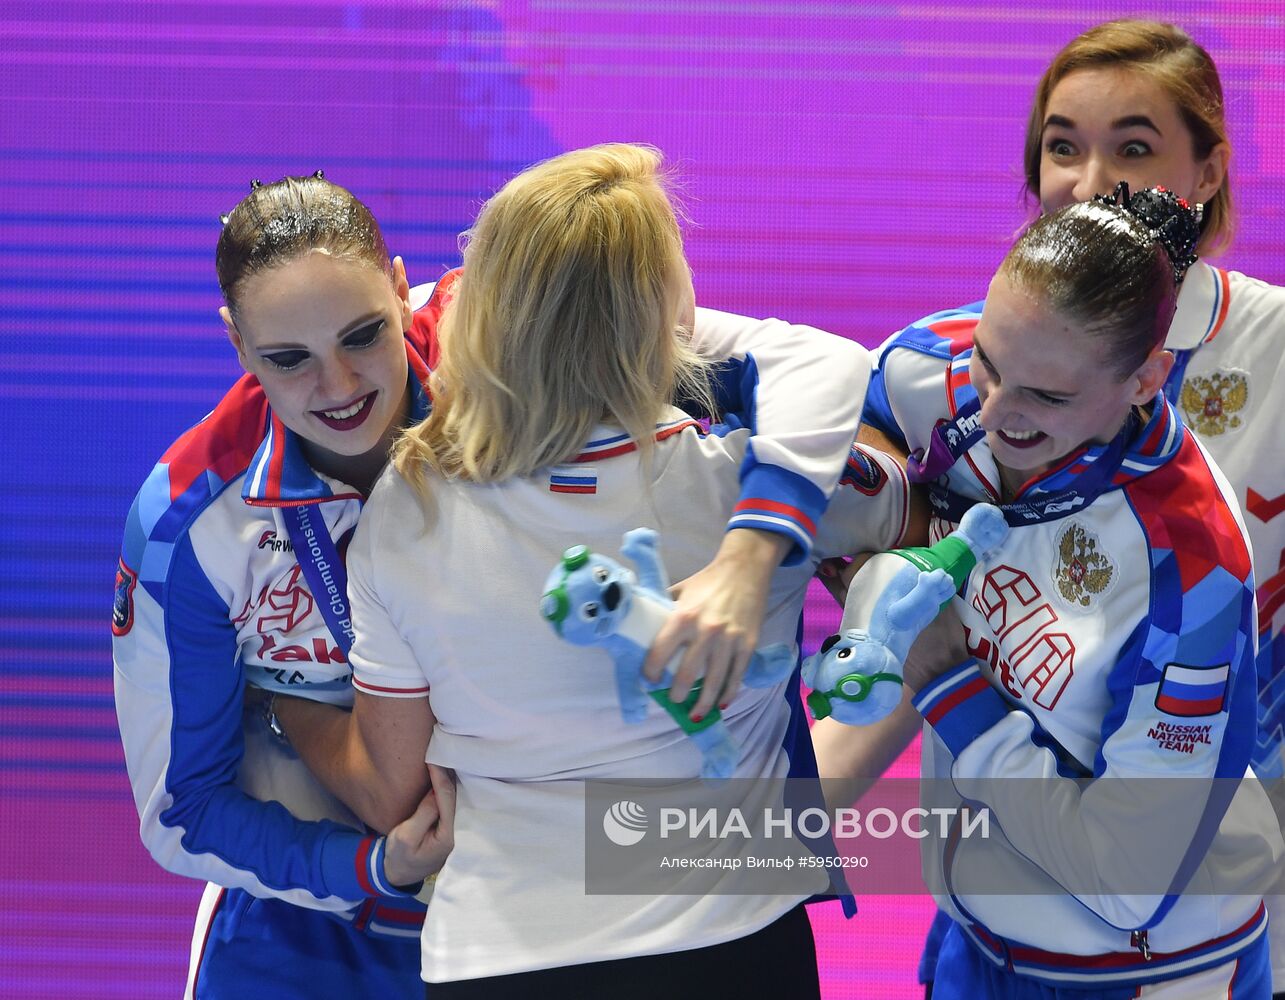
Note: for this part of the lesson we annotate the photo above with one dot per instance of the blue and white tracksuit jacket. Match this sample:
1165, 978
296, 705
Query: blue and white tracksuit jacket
210, 597
1114, 646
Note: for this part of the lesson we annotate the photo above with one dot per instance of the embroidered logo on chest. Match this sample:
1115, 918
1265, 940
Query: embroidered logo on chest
1211, 403
1027, 646
1082, 572
279, 614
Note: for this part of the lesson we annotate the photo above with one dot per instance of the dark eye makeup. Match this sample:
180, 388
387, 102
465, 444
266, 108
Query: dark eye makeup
363, 336
285, 360
980, 355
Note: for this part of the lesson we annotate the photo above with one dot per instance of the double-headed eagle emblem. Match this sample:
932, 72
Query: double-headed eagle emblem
1211, 402
1081, 572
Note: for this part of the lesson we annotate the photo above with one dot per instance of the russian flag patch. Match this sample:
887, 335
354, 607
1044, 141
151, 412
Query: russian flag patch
1192, 692
573, 479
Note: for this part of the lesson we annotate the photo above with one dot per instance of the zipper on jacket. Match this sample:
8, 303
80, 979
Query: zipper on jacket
1139, 940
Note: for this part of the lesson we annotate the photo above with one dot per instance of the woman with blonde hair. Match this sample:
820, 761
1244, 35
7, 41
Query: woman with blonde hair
562, 354
565, 319
230, 578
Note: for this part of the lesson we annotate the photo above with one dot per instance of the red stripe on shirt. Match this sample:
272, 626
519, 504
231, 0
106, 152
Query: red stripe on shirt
1123, 959
772, 507
387, 914
375, 687
1222, 311
363, 864
938, 711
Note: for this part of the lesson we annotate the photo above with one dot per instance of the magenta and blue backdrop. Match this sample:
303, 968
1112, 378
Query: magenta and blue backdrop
853, 166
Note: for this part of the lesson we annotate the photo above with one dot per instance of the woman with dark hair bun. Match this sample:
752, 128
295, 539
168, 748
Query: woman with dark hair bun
1108, 643
215, 595
1140, 101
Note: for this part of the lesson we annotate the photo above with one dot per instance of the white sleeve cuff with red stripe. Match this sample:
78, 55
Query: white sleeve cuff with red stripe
383, 686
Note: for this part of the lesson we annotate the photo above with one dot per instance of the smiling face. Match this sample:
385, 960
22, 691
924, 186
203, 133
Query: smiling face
1047, 387
324, 337
1108, 124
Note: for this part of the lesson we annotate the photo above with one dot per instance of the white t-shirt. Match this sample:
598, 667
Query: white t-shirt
452, 604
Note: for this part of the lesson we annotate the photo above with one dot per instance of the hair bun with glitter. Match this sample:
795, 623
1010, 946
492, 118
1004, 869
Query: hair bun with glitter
1172, 222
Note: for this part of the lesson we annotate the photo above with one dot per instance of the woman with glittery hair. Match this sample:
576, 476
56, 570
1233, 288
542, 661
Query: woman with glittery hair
1141, 101
1093, 684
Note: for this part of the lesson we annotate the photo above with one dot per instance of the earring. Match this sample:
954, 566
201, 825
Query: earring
1199, 209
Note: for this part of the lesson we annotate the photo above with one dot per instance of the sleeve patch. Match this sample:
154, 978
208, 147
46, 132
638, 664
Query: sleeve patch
863, 473
1193, 692
123, 601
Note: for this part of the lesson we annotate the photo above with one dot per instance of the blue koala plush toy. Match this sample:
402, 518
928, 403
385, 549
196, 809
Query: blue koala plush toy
856, 676
592, 600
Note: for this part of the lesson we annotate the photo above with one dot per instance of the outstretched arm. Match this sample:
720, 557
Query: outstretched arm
799, 390
640, 548
717, 618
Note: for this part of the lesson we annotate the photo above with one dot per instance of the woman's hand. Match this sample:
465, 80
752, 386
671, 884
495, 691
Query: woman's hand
417, 847
941, 646
716, 623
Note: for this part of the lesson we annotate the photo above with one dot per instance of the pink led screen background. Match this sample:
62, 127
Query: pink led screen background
852, 166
